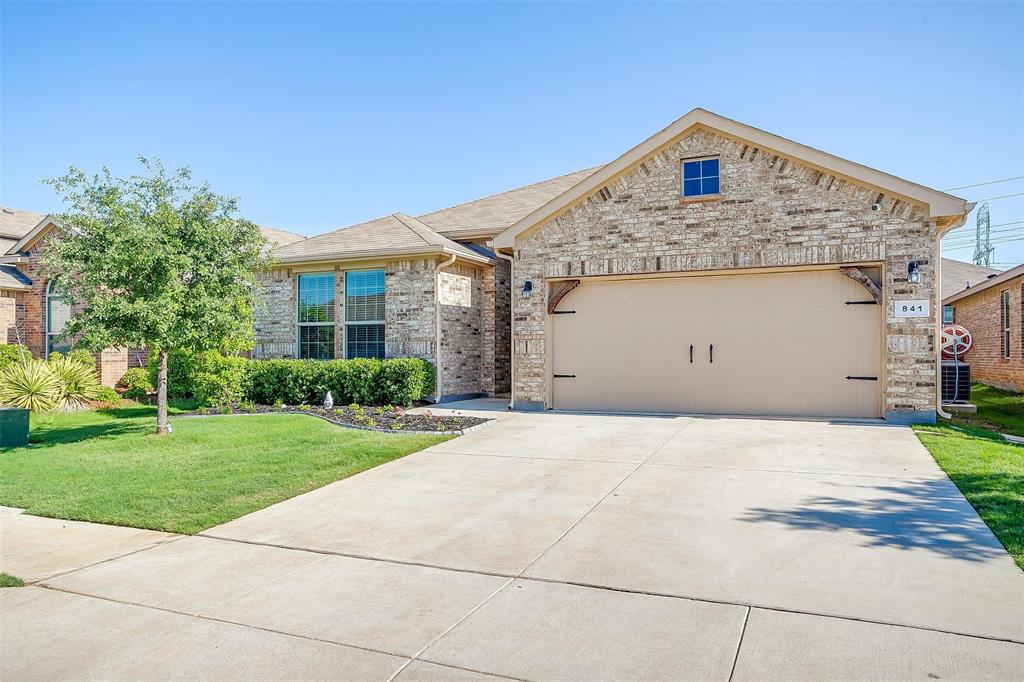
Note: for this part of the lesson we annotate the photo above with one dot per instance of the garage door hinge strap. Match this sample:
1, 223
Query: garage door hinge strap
563, 312
863, 378
565, 376
862, 303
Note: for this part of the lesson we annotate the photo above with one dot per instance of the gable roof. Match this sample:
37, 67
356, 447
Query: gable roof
999, 279
937, 204
958, 275
490, 215
396, 234
278, 237
17, 231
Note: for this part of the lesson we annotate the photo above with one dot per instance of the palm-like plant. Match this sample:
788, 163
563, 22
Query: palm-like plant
30, 385
79, 382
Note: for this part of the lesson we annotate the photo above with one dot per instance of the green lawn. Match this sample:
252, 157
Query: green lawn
989, 471
998, 410
109, 467
10, 581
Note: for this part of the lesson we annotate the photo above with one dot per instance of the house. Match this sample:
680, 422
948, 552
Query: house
993, 311
32, 314
713, 268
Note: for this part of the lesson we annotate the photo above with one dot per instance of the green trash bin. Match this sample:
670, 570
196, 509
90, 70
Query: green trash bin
13, 427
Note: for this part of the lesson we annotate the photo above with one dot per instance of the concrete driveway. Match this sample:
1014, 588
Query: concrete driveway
560, 546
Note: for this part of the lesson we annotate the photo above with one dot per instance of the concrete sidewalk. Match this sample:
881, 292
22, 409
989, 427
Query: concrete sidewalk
555, 546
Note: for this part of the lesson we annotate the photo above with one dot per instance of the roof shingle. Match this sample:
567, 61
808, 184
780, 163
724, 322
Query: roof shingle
490, 215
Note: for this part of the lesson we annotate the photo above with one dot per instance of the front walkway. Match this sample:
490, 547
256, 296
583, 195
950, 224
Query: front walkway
558, 546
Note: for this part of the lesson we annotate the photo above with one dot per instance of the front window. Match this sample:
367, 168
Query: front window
58, 312
364, 314
1005, 319
700, 177
948, 316
316, 316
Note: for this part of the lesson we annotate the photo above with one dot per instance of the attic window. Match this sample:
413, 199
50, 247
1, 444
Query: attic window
700, 177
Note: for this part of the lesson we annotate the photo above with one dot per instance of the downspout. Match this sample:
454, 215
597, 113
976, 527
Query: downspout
938, 332
940, 233
511, 327
437, 326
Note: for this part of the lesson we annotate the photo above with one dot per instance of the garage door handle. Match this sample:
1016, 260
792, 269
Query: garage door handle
863, 378
565, 376
711, 353
691, 353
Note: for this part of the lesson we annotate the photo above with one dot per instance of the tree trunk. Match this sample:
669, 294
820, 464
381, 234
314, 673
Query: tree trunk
162, 426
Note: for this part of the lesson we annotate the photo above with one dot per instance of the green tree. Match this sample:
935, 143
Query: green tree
152, 260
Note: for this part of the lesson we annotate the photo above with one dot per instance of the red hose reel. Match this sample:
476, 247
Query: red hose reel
956, 341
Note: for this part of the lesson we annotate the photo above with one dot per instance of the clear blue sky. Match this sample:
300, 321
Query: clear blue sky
321, 115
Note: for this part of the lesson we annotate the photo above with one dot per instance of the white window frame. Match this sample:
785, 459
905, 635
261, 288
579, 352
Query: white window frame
51, 297
331, 323
346, 323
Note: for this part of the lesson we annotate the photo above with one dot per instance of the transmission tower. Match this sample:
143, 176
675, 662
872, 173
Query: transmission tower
983, 249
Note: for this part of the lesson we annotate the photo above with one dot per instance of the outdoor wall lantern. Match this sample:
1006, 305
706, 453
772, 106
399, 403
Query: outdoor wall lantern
527, 288
913, 274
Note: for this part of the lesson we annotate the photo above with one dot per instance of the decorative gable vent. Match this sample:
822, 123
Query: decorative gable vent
604, 194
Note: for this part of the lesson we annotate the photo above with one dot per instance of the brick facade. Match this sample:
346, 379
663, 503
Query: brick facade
23, 320
473, 300
772, 212
981, 314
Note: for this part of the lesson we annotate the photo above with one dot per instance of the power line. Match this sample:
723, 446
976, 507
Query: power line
961, 238
1013, 222
982, 184
1005, 196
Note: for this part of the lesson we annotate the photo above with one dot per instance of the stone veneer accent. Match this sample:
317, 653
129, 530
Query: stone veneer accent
462, 339
773, 212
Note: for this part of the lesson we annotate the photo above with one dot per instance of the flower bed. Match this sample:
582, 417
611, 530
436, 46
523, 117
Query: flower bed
387, 418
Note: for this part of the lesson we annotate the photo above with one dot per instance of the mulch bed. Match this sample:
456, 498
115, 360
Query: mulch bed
387, 418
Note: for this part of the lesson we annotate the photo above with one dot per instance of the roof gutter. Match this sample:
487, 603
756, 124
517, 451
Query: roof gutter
941, 230
377, 254
437, 325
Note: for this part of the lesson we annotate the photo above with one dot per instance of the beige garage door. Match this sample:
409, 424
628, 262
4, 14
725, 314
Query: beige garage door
799, 344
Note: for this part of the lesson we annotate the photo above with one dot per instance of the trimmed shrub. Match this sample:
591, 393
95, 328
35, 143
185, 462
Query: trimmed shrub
210, 377
401, 381
107, 395
11, 353
218, 379
83, 356
136, 381
366, 381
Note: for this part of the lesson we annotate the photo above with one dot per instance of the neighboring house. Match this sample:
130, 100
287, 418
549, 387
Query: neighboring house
958, 275
30, 313
714, 268
993, 311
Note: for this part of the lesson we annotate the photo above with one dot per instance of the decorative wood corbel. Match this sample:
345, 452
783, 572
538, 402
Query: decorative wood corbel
859, 276
558, 290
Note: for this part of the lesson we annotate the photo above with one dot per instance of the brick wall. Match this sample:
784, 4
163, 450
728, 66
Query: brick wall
773, 212
462, 338
981, 314
410, 327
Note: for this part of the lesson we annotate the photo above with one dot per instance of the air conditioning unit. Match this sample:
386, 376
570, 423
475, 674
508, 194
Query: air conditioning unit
956, 382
